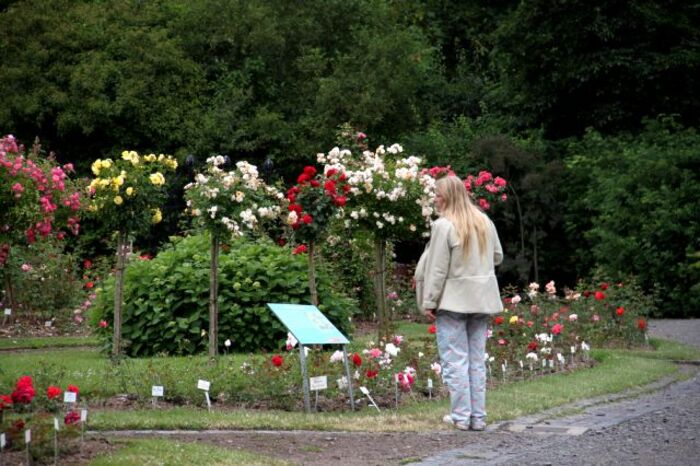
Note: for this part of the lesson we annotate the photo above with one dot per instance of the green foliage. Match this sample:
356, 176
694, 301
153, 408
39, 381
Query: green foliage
636, 204
166, 299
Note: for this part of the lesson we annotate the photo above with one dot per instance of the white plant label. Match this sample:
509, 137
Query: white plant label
430, 383
318, 383
521, 364
27, 436
8, 311
573, 349
48, 323
83, 415
203, 385
2, 441
503, 368
369, 397
206, 395
157, 390
55, 424
69, 397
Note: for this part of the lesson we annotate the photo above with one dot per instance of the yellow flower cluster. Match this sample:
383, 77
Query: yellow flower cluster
157, 216
131, 156
157, 178
98, 165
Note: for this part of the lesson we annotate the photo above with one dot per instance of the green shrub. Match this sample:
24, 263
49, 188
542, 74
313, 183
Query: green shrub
166, 299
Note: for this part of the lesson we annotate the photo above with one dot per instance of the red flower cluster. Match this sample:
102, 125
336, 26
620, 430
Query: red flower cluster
356, 360
24, 391
73, 388
620, 311
73, 417
301, 249
432, 329
277, 360
498, 320
372, 373
5, 402
599, 295
642, 324
53, 392
333, 185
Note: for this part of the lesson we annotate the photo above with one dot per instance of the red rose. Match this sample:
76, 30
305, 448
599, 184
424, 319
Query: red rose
532, 346
295, 207
315, 183
530, 323
5, 402
331, 172
23, 395
357, 360
307, 219
340, 201
586, 294
310, 171
599, 295
604, 286
53, 392
103, 324
432, 329
329, 186
557, 328
87, 264
73, 388
342, 177
73, 417
90, 285
371, 373
25, 381
277, 360
301, 249
498, 320
620, 311
291, 197
303, 178
642, 324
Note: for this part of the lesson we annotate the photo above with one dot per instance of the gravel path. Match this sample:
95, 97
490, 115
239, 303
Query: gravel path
661, 428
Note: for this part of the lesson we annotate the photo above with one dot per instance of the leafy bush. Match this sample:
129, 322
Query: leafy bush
166, 299
636, 204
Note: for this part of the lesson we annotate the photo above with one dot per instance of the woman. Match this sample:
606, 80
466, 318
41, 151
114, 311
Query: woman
456, 285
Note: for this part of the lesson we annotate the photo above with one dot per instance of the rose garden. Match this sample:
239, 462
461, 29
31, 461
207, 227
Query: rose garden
249, 243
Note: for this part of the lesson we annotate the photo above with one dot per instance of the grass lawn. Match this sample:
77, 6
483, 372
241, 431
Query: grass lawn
46, 342
152, 452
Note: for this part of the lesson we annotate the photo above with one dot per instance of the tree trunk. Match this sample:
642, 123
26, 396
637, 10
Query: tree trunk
534, 254
214, 298
312, 274
383, 317
119, 293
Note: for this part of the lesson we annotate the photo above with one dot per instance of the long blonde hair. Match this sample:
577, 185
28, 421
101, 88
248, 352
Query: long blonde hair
461, 211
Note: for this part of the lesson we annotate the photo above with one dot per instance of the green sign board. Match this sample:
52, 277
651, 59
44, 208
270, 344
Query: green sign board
308, 324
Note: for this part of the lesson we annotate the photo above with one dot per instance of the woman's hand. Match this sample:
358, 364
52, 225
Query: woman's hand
430, 314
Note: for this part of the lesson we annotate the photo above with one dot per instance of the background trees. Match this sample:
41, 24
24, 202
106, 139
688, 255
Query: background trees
508, 86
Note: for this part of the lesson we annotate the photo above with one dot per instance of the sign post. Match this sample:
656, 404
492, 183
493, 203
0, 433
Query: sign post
310, 327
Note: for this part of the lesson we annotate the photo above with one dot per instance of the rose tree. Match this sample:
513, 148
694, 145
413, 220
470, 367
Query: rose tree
228, 204
37, 199
126, 195
313, 203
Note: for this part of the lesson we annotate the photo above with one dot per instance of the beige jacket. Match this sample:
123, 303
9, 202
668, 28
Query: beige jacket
446, 280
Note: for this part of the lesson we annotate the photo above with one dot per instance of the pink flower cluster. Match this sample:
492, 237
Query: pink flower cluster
23, 174
485, 186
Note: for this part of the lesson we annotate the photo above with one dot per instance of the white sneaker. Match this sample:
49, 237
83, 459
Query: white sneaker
447, 419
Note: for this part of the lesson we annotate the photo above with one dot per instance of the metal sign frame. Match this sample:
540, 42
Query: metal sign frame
310, 327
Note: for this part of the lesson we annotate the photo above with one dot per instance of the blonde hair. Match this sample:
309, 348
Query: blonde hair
461, 211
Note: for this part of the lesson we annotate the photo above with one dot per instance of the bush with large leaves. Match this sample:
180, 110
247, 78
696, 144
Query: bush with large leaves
167, 298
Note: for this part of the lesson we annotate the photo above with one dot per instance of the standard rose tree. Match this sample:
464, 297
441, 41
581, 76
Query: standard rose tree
126, 195
228, 204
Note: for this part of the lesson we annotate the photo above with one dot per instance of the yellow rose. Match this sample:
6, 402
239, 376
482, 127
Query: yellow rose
513, 320
92, 208
171, 163
150, 158
106, 163
93, 184
157, 216
96, 165
103, 182
118, 200
129, 191
157, 178
118, 180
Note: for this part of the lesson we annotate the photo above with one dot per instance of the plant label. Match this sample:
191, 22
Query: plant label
365, 391
83, 415
573, 349
27, 436
48, 323
8, 311
203, 385
521, 364
206, 396
69, 397
318, 383
157, 390
2, 441
55, 424
430, 383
